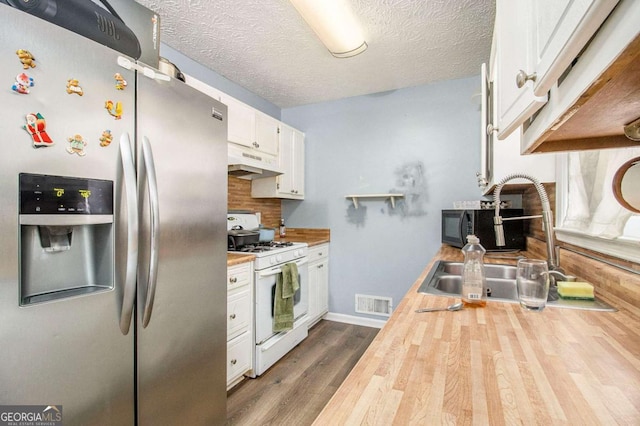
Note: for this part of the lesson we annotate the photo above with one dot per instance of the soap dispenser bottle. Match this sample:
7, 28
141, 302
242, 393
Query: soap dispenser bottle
473, 277
283, 229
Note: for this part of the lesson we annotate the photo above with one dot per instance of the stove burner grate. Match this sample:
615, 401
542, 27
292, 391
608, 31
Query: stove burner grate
261, 246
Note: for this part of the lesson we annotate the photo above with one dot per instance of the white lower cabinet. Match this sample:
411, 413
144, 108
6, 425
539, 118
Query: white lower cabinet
239, 322
318, 282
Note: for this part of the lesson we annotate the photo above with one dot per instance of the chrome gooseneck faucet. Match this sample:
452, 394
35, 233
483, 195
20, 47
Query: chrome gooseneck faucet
547, 217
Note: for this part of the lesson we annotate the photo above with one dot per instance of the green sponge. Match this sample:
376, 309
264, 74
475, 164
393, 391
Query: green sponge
575, 290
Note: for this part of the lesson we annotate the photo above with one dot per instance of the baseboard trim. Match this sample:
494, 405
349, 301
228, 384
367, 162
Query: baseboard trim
352, 319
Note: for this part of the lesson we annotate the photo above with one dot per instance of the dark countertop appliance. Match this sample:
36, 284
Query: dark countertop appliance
457, 224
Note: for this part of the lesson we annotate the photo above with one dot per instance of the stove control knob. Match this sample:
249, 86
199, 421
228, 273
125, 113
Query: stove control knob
279, 258
297, 253
272, 260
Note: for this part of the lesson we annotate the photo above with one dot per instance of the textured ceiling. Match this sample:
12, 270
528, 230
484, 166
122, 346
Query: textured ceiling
266, 46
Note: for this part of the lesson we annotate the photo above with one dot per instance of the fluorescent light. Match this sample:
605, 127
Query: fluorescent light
334, 24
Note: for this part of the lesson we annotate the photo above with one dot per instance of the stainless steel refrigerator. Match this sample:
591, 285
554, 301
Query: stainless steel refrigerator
112, 234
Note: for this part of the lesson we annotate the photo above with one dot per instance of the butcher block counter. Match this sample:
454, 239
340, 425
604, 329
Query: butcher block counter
494, 365
238, 258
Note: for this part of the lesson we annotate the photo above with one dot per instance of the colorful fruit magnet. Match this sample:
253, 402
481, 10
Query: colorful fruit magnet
27, 59
106, 138
114, 109
73, 86
22, 84
76, 145
121, 83
36, 126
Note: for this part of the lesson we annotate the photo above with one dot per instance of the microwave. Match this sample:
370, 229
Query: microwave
457, 224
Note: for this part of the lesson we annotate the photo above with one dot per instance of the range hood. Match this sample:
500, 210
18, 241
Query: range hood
245, 163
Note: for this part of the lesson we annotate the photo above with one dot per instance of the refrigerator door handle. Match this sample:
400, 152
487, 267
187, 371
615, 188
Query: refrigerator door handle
154, 213
129, 291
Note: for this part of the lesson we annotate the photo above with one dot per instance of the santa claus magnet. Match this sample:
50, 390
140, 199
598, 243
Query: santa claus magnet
36, 127
22, 84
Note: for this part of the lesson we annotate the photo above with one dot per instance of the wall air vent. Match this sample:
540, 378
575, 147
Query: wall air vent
375, 305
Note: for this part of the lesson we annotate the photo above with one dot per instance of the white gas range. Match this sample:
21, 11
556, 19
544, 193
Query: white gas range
270, 257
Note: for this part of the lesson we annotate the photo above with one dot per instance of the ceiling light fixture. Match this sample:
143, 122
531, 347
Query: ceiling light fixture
335, 25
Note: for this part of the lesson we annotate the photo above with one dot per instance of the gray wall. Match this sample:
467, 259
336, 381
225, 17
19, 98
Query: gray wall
421, 141
213, 79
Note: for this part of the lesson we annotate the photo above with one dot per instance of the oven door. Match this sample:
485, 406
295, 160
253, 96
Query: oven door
456, 225
265, 295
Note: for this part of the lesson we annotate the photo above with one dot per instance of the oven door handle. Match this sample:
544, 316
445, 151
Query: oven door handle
271, 272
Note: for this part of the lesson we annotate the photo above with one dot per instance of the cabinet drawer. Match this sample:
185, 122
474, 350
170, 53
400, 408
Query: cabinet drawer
318, 252
238, 313
238, 356
238, 275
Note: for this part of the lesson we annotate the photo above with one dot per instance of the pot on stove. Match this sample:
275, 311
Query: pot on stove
238, 237
267, 234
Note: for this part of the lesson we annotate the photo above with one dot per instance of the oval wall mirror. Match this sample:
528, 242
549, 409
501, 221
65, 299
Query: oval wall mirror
626, 185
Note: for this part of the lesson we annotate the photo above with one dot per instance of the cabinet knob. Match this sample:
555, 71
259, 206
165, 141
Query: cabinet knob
234, 361
320, 266
490, 129
232, 316
233, 280
522, 77
256, 145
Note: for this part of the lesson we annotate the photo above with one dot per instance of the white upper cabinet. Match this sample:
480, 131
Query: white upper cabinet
242, 122
500, 158
250, 127
292, 162
536, 40
561, 28
513, 54
266, 133
597, 95
290, 184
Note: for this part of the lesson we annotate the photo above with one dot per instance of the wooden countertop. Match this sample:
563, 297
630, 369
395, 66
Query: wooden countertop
494, 365
238, 258
311, 236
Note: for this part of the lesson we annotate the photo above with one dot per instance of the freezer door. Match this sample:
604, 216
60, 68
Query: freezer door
181, 305
66, 348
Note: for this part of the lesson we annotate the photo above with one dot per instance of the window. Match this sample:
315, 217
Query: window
587, 213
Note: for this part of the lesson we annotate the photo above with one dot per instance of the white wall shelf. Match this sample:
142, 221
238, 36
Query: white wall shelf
392, 197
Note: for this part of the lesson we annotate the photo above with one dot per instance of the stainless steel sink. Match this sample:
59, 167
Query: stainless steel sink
445, 279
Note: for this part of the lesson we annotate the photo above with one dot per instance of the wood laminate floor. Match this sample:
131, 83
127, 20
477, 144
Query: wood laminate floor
296, 388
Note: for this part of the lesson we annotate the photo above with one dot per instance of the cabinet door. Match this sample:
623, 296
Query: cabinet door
502, 157
239, 276
238, 358
484, 174
267, 133
287, 163
514, 53
238, 313
314, 301
323, 287
318, 290
318, 282
298, 163
241, 123
560, 30
291, 182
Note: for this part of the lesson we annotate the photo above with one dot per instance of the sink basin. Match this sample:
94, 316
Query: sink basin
445, 279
